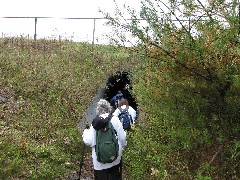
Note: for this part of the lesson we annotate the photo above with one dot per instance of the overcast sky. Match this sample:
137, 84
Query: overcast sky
79, 29
54, 8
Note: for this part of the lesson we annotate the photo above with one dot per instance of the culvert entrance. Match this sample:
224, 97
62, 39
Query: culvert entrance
120, 80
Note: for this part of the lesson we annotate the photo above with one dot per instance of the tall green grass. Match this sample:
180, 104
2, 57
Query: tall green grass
45, 89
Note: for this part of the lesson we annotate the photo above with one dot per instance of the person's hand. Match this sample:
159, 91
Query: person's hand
87, 126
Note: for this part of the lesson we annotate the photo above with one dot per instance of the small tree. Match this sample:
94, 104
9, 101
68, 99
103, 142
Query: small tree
197, 45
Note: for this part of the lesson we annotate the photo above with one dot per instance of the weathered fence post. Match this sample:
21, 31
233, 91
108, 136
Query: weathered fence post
35, 31
94, 25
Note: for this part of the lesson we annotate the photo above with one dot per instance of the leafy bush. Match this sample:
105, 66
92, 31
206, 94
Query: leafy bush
188, 90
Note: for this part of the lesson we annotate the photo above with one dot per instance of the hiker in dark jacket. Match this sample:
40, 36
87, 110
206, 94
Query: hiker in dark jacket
105, 171
115, 100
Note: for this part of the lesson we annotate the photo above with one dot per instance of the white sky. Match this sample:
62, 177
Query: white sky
82, 30
77, 30
54, 8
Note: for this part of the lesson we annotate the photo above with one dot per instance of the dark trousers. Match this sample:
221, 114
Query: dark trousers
113, 173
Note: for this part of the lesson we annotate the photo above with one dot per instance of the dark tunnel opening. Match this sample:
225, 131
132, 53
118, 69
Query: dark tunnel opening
120, 80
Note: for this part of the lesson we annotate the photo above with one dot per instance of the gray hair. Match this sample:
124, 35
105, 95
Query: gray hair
103, 106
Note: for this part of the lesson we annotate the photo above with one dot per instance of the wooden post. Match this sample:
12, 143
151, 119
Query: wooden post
35, 31
94, 25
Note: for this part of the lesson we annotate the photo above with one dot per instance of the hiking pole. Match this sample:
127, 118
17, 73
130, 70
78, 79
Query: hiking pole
81, 162
82, 158
121, 169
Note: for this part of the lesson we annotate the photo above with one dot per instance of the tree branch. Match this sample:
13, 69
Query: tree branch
181, 64
205, 10
178, 20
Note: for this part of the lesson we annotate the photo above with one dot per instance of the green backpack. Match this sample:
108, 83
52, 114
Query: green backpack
106, 144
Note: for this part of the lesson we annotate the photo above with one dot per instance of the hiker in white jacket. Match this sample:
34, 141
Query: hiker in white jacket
105, 170
123, 104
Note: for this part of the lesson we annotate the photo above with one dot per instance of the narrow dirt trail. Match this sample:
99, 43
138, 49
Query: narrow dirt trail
87, 172
120, 80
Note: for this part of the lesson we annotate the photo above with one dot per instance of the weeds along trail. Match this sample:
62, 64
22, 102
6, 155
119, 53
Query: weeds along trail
45, 89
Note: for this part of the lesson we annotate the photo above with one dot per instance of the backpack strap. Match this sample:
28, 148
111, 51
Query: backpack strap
109, 121
123, 110
110, 117
120, 109
130, 115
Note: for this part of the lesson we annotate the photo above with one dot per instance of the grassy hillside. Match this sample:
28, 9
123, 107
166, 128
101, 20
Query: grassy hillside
45, 89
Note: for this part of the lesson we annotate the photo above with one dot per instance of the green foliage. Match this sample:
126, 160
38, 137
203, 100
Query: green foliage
11, 159
188, 89
204, 170
45, 89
